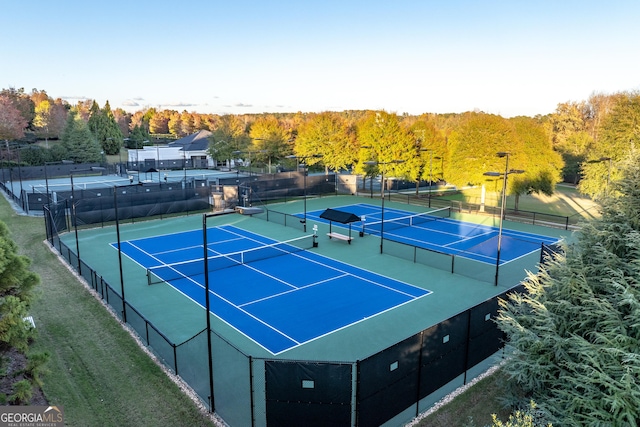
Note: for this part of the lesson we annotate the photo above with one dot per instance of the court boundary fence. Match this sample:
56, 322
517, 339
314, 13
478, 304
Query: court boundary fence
397, 383
457, 264
524, 216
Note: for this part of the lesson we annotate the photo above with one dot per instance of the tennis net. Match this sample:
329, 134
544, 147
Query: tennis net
405, 221
195, 268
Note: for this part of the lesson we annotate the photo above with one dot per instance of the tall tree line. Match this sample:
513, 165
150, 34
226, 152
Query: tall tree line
454, 147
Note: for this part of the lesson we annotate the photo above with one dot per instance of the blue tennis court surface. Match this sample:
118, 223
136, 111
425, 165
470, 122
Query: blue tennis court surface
283, 300
439, 233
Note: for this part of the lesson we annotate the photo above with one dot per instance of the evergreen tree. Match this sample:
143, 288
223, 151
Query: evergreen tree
79, 142
104, 127
138, 138
16, 286
574, 337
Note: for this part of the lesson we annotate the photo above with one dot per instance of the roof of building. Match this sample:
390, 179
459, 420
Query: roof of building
198, 141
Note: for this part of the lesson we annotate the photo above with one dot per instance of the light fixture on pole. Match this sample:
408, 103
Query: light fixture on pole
237, 153
382, 187
73, 208
304, 163
506, 173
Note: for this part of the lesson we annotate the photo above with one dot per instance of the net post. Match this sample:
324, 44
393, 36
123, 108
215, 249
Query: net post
315, 235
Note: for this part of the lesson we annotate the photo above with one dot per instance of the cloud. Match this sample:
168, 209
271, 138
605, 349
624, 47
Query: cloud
241, 105
75, 98
130, 103
180, 104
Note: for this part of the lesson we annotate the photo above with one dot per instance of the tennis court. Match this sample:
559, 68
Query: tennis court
96, 180
278, 294
437, 232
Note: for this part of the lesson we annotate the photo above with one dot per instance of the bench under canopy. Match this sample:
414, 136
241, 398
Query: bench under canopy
334, 215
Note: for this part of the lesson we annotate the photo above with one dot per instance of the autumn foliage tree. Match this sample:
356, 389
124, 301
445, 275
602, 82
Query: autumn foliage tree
22, 102
430, 151
12, 124
229, 140
384, 141
326, 138
618, 134
270, 140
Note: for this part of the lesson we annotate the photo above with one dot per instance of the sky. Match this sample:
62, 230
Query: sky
506, 57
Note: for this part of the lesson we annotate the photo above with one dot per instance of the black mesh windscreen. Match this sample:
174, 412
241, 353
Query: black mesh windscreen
308, 393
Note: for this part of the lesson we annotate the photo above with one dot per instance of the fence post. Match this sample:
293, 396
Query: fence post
252, 403
466, 353
419, 373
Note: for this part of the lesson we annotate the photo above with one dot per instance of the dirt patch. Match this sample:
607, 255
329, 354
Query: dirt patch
14, 364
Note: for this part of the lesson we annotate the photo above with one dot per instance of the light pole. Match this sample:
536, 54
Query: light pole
138, 158
124, 140
207, 308
115, 206
503, 201
118, 169
236, 162
73, 209
304, 163
382, 186
46, 176
608, 172
431, 157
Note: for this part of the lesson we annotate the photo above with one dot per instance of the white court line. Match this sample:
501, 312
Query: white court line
223, 299
351, 274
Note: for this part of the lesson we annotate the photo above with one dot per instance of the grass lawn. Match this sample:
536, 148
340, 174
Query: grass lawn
97, 372
566, 201
472, 407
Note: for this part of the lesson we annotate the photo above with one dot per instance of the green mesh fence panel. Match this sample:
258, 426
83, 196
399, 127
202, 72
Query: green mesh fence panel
191, 364
513, 272
138, 323
474, 269
231, 382
115, 301
161, 346
435, 259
